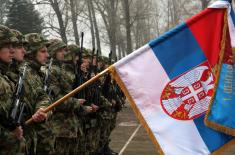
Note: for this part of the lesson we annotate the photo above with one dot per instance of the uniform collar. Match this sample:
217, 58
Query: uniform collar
34, 65
3, 67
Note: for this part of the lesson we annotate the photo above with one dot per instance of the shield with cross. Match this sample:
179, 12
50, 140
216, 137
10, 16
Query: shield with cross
188, 96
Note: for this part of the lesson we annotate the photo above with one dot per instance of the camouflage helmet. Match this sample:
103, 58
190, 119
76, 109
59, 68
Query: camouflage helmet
6, 36
73, 49
36, 41
19, 36
54, 45
104, 59
86, 53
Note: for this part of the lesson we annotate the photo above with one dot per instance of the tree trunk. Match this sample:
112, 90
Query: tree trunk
126, 8
74, 22
56, 8
97, 35
112, 19
205, 3
91, 24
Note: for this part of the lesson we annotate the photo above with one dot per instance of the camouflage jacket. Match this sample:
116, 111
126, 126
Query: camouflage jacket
65, 121
6, 96
34, 95
7, 140
34, 98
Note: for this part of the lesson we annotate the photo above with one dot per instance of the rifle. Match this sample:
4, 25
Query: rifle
79, 61
77, 70
107, 81
47, 78
91, 66
97, 83
96, 63
18, 106
110, 57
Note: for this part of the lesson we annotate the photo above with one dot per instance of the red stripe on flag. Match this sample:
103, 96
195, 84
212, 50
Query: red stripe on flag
209, 39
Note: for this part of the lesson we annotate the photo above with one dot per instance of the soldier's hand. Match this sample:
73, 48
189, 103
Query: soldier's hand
94, 107
39, 115
81, 101
113, 102
88, 109
18, 133
92, 74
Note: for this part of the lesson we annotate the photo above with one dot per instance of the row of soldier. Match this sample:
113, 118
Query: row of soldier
35, 72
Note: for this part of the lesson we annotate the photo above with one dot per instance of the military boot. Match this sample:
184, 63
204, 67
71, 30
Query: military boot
108, 151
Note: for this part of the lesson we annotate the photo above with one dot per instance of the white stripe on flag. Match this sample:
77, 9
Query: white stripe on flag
144, 78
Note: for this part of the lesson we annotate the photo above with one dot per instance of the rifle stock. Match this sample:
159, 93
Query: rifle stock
18, 106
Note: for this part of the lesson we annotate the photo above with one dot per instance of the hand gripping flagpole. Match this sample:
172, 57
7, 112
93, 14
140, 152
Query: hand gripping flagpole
72, 93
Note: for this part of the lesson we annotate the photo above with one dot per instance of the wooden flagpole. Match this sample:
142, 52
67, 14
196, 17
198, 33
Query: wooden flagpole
72, 93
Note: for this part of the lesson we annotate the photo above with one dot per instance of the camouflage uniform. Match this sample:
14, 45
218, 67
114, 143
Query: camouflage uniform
65, 121
43, 141
94, 120
70, 57
8, 143
109, 116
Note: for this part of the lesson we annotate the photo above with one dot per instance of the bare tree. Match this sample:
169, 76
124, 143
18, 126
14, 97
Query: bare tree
204, 3
3, 10
108, 11
91, 23
74, 21
125, 24
126, 8
62, 24
97, 35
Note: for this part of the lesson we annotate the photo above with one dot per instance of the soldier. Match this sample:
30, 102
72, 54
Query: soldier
65, 122
30, 107
108, 117
72, 59
10, 134
100, 105
41, 142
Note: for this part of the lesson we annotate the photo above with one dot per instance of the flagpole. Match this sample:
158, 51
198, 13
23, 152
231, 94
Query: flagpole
72, 93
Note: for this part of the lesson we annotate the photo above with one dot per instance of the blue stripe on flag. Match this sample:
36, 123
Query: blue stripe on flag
232, 14
213, 139
177, 51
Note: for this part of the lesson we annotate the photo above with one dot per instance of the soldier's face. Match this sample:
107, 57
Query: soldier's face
100, 64
7, 53
94, 61
19, 53
86, 62
60, 54
42, 56
83, 67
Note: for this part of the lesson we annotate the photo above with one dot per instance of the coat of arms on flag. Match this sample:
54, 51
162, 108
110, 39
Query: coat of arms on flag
188, 96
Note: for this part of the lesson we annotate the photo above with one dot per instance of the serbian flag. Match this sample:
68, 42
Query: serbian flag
170, 82
220, 115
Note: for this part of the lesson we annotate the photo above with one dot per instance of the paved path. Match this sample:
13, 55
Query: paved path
131, 139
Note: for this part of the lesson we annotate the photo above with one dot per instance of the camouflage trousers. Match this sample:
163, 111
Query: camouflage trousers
9, 145
31, 143
92, 137
66, 146
45, 139
105, 129
113, 121
81, 140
